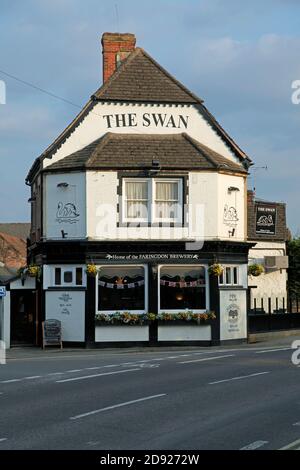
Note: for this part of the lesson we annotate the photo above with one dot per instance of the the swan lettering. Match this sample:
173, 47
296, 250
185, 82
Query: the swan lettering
67, 213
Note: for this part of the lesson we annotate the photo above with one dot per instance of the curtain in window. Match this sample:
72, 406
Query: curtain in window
137, 199
166, 200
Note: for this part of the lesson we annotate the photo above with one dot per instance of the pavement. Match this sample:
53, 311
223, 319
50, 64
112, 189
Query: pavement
239, 397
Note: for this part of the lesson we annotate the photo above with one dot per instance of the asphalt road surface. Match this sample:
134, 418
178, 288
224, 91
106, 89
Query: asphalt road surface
245, 397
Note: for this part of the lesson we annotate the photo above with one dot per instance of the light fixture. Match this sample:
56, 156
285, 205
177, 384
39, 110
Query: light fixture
63, 234
231, 232
179, 296
32, 199
232, 188
62, 185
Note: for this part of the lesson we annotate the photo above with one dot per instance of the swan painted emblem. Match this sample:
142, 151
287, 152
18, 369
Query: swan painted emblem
230, 216
265, 221
67, 213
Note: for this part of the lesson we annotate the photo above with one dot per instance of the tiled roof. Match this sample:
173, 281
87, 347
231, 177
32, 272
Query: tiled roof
18, 229
174, 151
141, 78
12, 251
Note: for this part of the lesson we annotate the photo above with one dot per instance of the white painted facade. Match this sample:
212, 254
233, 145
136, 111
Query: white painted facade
116, 333
272, 284
184, 333
94, 125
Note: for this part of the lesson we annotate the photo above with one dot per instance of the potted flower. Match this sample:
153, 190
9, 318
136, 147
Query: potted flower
215, 269
255, 269
91, 270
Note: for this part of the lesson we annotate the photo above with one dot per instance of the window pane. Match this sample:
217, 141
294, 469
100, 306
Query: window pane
182, 288
136, 194
68, 277
79, 276
57, 276
235, 276
228, 275
137, 210
166, 210
121, 288
167, 191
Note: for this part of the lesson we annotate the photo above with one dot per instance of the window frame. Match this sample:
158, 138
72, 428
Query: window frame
231, 283
206, 285
146, 291
63, 269
151, 206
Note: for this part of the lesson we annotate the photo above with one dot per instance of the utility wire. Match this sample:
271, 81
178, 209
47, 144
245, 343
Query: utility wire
40, 89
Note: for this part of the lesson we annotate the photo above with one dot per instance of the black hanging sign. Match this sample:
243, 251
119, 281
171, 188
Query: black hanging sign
265, 219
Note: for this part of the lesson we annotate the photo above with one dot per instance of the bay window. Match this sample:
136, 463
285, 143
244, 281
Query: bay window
182, 288
152, 200
122, 288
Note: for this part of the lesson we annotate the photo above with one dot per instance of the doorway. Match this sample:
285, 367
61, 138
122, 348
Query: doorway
23, 316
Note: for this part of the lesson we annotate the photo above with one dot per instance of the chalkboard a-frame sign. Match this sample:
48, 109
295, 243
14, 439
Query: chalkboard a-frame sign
52, 333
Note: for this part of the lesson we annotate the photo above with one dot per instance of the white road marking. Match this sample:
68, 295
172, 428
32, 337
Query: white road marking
255, 445
238, 378
10, 381
55, 373
272, 350
73, 379
74, 370
297, 424
205, 359
292, 446
3, 439
32, 377
119, 405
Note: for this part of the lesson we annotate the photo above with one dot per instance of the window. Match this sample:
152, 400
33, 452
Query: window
182, 288
122, 288
68, 276
230, 276
152, 200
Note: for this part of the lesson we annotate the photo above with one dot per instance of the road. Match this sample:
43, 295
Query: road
245, 397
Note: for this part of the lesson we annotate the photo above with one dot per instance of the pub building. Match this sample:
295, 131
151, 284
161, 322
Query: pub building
131, 205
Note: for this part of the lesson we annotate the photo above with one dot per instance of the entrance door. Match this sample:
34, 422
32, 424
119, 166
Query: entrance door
23, 315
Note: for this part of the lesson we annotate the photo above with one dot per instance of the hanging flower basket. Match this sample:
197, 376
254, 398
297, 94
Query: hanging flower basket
91, 270
255, 270
215, 269
34, 271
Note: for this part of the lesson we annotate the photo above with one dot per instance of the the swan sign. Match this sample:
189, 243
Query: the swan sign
266, 219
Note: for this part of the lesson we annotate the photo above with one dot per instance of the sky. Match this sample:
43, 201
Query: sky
239, 57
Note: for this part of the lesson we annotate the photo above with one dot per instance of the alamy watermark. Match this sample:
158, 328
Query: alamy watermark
2, 353
2, 92
296, 94
296, 353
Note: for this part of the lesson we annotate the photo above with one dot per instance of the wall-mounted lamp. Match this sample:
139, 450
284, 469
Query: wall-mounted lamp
62, 185
231, 232
63, 234
32, 199
155, 167
154, 268
232, 189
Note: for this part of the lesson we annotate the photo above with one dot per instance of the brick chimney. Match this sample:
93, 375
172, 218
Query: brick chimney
115, 48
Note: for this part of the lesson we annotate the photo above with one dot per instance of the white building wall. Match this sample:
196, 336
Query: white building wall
271, 284
95, 125
65, 207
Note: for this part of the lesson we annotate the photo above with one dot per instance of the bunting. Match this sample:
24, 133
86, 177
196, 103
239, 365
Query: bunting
182, 284
130, 285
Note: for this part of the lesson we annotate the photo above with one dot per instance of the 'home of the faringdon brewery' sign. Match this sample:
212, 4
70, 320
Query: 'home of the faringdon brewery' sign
156, 120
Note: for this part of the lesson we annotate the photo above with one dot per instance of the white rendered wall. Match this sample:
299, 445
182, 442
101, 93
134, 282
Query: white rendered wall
272, 283
184, 333
94, 125
64, 207
122, 333
28, 283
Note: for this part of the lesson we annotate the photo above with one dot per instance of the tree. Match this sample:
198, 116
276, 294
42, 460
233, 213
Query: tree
293, 250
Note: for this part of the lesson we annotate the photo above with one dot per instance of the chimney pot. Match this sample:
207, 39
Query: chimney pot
115, 48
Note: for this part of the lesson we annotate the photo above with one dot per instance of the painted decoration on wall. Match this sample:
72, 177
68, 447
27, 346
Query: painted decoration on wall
230, 216
233, 314
67, 213
266, 219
